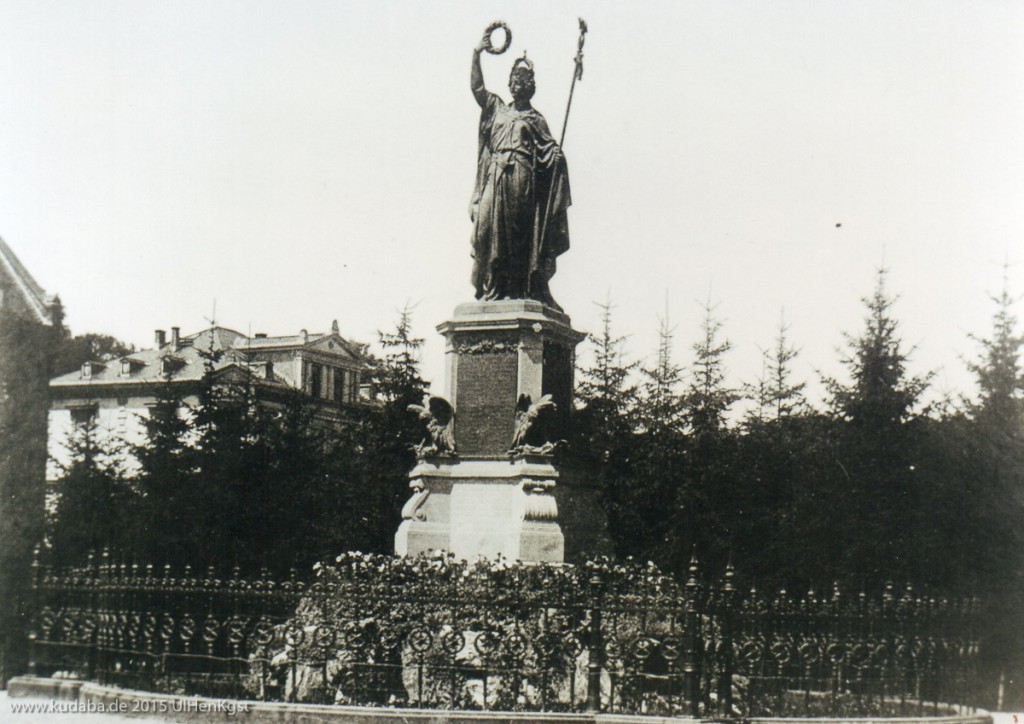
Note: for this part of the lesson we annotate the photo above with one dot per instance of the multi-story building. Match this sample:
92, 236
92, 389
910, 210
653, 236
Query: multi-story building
117, 394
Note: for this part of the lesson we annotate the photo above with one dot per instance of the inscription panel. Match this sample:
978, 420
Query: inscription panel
487, 400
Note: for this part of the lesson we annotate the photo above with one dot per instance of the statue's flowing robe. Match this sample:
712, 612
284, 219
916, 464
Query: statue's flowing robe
519, 204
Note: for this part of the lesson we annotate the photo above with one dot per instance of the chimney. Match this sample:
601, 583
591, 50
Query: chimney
161, 338
175, 338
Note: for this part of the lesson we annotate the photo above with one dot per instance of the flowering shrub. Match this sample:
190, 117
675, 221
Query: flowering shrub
434, 631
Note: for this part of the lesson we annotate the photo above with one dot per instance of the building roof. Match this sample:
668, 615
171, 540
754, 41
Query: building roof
187, 360
32, 298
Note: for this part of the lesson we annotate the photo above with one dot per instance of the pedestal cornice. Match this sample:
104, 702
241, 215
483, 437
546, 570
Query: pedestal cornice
511, 315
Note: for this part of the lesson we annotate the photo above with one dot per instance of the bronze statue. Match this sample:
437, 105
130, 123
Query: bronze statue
519, 205
527, 412
437, 412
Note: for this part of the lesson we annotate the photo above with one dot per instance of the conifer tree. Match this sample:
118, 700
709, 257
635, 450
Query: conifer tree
990, 488
165, 478
708, 399
605, 393
661, 411
999, 374
94, 498
654, 503
603, 444
996, 432
385, 437
772, 467
877, 455
881, 395
718, 504
785, 398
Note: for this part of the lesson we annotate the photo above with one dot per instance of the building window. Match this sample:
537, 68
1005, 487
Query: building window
338, 391
84, 414
315, 379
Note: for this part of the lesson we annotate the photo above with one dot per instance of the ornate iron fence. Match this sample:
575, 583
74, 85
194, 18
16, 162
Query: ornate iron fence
377, 630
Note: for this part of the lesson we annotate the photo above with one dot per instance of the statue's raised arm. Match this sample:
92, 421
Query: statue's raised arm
476, 74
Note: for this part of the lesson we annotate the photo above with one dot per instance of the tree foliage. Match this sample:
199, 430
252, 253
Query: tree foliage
88, 347
235, 471
27, 351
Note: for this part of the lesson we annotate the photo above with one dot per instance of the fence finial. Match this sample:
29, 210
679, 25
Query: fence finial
691, 581
730, 574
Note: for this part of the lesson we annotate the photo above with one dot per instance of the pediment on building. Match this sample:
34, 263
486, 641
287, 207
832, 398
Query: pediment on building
335, 345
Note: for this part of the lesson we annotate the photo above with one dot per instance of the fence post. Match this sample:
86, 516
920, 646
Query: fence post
728, 601
33, 632
691, 664
594, 657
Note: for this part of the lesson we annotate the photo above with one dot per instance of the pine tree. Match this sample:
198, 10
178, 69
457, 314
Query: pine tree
661, 410
989, 492
708, 399
94, 498
784, 398
770, 464
714, 500
603, 446
999, 374
165, 480
877, 451
880, 395
384, 438
605, 394
648, 516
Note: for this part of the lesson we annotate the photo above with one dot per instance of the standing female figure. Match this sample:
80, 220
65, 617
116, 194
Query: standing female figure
520, 225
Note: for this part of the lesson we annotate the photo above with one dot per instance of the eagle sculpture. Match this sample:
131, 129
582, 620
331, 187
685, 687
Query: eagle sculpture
437, 412
526, 414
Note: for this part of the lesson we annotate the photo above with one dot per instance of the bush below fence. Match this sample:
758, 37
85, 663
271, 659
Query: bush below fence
439, 633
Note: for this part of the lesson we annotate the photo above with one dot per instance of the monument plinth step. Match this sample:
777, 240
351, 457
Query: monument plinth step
483, 507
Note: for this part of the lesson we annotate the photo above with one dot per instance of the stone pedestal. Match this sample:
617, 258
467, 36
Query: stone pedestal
483, 507
487, 500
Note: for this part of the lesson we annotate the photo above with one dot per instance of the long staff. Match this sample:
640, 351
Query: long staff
576, 75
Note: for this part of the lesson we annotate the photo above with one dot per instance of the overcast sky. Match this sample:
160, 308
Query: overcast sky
300, 162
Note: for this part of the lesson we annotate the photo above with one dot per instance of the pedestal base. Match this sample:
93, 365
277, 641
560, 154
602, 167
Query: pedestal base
486, 507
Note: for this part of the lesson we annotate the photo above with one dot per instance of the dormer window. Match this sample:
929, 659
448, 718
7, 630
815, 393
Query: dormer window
170, 364
91, 368
129, 365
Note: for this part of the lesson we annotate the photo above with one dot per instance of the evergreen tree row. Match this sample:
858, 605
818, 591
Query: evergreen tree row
237, 474
875, 486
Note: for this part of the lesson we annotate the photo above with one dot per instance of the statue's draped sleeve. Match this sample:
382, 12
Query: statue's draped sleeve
487, 102
552, 192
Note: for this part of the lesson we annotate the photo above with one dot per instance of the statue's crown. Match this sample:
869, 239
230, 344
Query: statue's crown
524, 64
